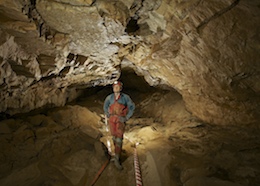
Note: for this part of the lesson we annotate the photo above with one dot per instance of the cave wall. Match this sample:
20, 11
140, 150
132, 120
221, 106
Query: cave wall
207, 50
212, 59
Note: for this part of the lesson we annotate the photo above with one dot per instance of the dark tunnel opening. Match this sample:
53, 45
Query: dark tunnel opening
133, 84
132, 26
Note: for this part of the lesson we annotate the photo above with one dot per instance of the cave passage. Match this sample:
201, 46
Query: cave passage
59, 57
52, 145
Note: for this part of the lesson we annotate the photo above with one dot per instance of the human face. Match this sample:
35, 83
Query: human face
116, 88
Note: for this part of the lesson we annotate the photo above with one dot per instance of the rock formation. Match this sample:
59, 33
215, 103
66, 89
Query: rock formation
50, 50
205, 132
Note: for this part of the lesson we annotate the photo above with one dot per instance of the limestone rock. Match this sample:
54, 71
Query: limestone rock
207, 51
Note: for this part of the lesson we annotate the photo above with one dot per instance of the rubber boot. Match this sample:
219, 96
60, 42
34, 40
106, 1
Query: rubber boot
117, 163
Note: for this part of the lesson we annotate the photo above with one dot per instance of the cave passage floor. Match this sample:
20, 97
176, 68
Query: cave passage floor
61, 147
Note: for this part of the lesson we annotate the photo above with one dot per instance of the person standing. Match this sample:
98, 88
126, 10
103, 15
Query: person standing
118, 108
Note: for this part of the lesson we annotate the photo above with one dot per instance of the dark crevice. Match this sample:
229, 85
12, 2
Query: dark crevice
33, 3
44, 30
132, 26
216, 15
50, 77
70, 57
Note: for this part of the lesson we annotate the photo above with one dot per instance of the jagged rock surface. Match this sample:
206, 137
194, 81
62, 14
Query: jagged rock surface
207, 51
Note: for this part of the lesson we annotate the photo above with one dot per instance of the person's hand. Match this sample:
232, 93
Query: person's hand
122, 119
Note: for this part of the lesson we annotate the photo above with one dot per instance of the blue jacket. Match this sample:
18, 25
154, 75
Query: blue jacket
124, 99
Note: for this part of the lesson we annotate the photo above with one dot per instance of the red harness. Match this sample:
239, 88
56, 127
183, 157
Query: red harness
117, 110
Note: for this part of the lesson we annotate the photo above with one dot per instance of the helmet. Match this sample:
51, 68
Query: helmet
118, 83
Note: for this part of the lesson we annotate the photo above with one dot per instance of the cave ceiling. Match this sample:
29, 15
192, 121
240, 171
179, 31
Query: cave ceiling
206, 50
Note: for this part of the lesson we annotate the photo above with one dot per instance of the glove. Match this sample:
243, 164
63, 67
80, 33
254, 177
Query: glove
122, 119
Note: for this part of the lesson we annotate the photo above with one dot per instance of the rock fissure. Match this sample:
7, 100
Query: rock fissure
216, 15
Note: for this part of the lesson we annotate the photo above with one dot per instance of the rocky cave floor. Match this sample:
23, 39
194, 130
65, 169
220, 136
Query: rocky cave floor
61, 146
